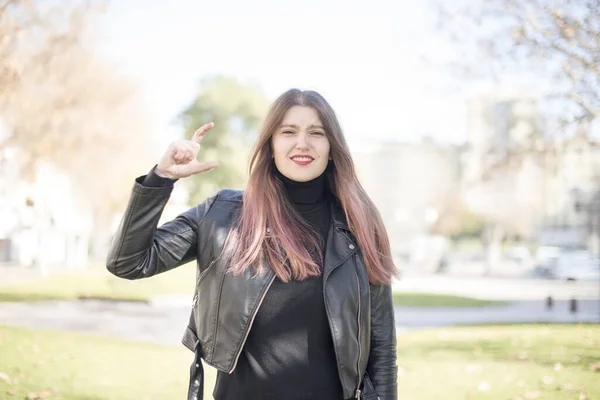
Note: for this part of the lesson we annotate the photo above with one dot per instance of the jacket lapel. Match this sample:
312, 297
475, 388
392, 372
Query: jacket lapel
340, 245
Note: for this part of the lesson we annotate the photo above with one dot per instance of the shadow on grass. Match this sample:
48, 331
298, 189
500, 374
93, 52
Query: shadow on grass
28, 297
37, 297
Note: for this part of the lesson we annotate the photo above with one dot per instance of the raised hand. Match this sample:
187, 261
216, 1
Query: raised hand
180, 159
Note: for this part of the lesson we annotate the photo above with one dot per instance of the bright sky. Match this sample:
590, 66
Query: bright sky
363, 56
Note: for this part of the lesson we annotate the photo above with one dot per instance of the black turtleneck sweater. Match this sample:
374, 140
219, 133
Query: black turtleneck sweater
289, 352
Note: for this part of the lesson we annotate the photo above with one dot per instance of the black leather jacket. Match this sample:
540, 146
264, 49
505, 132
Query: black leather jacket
360, 315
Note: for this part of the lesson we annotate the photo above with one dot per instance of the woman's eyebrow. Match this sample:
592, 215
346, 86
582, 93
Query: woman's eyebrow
297, 127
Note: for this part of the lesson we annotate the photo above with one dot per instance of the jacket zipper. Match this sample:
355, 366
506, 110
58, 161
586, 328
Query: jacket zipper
237, 356
358, 391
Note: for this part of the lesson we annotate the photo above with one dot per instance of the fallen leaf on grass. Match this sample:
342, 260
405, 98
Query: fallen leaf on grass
547, 380
583, 396
558, 366
483, 387
522, 356
4, 377
567, 387
595, 367
532, 395
39, 395
472, 368
12, 392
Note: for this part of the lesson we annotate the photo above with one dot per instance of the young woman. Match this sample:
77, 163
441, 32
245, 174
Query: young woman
293, 291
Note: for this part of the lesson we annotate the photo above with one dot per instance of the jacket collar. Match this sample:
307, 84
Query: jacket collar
337, 215
340, 242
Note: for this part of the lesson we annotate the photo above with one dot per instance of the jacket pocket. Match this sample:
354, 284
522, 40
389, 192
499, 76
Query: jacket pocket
203, 274
190, 339
368, 390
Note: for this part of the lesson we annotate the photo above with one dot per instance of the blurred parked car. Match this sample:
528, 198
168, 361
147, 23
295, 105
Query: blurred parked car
545, 260
520, 255
577, 265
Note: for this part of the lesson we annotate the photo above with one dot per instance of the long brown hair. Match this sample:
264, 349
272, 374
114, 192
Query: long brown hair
269, 229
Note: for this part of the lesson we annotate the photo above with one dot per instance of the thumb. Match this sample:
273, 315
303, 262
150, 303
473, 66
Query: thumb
196, 167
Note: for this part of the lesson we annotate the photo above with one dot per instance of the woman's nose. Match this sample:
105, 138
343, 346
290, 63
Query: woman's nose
302, 140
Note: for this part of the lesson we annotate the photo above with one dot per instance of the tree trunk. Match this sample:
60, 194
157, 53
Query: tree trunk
492, 242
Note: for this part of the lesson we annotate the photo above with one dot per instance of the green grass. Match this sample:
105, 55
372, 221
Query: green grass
439, 300
501, 362
99, 283
81, 367
491, 363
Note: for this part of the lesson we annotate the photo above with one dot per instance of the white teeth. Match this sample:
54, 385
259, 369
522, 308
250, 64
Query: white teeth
302, 159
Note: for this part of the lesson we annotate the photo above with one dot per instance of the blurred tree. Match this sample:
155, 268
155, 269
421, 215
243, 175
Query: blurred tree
557, 39
62, 104
457, 220
510, 201
554, 41
237, 110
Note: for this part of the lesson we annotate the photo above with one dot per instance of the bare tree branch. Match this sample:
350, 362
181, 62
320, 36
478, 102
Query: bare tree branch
559, 39
61, 103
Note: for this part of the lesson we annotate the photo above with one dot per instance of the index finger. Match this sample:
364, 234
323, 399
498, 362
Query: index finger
199, 134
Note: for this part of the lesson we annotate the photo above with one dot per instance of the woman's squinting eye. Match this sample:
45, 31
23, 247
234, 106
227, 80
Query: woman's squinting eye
288, 132
318, 133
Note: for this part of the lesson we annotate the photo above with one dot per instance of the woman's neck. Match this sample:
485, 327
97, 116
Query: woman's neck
310, 192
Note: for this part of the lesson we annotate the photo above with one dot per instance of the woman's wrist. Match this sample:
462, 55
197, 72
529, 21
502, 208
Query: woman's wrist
154, 179
163, 174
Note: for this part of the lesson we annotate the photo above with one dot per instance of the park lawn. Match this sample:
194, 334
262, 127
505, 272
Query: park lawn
411, 299
100, 284
490, 362
512, 362
97, 282
64, 365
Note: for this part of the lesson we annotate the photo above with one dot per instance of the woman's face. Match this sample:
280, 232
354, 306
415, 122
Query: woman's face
300, 145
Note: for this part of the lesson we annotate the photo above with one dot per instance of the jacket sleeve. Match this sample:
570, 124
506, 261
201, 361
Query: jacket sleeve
382, 366
139, 248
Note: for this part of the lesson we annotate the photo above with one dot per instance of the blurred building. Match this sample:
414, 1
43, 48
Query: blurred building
573, 181
44, 223
409, 183
499, 123
505, 125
